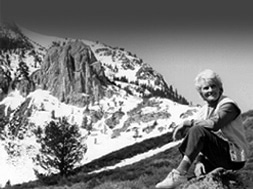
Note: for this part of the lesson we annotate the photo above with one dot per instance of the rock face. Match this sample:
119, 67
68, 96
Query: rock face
72, 74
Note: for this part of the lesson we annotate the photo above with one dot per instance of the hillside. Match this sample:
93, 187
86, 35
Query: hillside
124, 109
115, 98
145, 173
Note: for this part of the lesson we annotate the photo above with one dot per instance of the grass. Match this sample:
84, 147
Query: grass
140, 175
128, 173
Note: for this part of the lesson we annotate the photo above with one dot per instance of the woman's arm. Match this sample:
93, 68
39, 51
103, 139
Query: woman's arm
226, 113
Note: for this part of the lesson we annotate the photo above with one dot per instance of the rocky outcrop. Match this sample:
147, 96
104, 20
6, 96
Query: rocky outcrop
21, 81
218, 178
12, 38
72, 74
15, 55
114, 119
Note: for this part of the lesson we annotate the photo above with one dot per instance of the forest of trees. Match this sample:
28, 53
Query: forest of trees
171, 93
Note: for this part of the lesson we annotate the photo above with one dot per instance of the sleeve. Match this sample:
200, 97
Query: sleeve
188, 123
226, 113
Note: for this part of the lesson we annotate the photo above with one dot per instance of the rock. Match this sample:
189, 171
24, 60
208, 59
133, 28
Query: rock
70, 71
218, 179
114, 120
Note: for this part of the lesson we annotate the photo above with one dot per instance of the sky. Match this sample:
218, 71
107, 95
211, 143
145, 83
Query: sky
177, 38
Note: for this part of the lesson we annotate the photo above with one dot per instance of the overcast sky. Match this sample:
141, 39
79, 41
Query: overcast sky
177, 38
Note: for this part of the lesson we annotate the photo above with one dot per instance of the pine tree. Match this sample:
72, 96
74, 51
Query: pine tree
61, 147
23, 70
86, 125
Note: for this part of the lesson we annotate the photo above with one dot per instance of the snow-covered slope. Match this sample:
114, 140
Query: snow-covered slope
99, 142
119, 119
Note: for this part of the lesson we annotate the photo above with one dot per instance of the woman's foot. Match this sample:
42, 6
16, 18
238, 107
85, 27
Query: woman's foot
173, 180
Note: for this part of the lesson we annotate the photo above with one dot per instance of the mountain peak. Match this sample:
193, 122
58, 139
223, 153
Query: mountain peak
111, 94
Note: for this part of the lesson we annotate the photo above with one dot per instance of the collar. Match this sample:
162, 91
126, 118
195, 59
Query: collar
214, 104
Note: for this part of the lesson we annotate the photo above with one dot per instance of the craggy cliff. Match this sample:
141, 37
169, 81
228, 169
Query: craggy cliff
71, 73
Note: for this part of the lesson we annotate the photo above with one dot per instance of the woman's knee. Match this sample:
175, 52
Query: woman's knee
196, 129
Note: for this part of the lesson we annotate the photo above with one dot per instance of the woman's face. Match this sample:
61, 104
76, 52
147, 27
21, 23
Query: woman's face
209, 91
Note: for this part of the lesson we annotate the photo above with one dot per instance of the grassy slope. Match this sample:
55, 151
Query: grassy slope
131, 172
141, 175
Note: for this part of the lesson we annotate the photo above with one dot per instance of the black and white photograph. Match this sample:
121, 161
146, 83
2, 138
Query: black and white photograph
126, 94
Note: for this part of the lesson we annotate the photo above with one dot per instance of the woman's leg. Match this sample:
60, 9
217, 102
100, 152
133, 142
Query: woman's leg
200, 139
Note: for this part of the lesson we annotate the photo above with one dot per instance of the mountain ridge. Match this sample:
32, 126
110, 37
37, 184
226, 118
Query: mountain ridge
121, 97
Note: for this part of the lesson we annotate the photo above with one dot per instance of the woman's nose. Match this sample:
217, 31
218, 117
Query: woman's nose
210, 89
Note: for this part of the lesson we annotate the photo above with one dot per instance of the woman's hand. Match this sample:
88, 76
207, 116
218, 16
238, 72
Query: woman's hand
199, 169
181, 130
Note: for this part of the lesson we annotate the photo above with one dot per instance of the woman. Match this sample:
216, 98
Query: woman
215, 139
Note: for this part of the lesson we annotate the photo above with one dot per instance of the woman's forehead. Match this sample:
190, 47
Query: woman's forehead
207, 82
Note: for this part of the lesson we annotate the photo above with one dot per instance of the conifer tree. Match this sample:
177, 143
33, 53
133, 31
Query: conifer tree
61, 147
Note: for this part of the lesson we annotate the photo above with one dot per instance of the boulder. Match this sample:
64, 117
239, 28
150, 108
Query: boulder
218, 179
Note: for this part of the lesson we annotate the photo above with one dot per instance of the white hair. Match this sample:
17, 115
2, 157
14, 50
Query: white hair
207, 76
